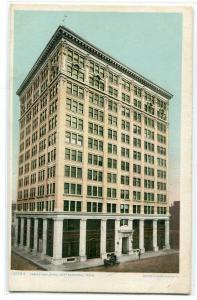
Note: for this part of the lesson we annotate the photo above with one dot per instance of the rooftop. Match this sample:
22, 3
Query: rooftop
67, 34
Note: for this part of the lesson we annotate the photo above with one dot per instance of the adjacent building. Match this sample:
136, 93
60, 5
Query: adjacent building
92, 170
175, 224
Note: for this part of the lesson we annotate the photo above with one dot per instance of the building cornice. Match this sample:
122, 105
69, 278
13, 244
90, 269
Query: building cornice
68, 35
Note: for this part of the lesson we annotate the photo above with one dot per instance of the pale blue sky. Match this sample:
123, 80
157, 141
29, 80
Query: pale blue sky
149, 43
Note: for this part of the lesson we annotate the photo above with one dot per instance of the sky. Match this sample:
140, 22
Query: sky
149, 43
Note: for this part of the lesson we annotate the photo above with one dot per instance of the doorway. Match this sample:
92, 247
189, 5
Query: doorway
125, 245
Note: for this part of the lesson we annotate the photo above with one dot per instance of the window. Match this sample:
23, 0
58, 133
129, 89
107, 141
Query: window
94, 207
113, 92
95, 160
137, 169
136, 196
75, 90
112, 178
161, 139
112, 120
112, 163
126, 85
148, 197
41, 175
161, 162
96, 99
95, 175
51, 188
51, 172
112, 106
74, 172
53, 122
43, 116
137, 91
111, 207
72, 205
73, 138
126, 98
95, 144
125, 112
74, 122
125, 125
136, 181
124, 166
52, 155
161, 210
149, 146
96, 114
161, 127
125, 180
74, 57
149, 184
94, 191
136, 155
149, 134
75, 72
136, 142
53, 107
96, 82
161, 186
149, 159
95, 129
149, 108
111, 193
96, 69
74, 106
137, 103
112, 149
112, 134
148, 171
125, 152
72, 189
161, 174
161, 198
149, 210
137, 116
113, 78
53, 91
124, 194
137, 129
125, 138
52, 139
161, 150
41, 160
149, 122
136, 209
74, 155
124, 208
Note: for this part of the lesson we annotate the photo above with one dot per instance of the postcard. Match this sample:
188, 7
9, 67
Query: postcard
100, 148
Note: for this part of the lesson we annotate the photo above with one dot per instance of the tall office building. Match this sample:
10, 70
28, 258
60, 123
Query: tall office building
92, 173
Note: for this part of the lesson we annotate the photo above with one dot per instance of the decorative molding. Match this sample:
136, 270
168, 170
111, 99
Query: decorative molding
67, 34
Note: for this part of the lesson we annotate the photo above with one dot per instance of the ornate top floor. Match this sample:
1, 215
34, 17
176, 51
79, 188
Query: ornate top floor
65, 33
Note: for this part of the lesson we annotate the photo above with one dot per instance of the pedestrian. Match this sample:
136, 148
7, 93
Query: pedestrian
139, 254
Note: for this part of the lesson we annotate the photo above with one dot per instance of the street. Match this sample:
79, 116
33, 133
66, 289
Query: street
160, 264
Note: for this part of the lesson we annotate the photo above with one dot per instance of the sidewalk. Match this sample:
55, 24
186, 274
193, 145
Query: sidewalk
47, 266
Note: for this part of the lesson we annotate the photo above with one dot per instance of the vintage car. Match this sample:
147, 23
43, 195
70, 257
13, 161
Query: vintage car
111, 260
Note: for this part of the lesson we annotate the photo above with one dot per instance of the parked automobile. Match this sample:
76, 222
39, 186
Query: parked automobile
111, 260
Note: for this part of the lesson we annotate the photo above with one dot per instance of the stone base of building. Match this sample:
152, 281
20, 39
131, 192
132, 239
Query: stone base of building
67, 238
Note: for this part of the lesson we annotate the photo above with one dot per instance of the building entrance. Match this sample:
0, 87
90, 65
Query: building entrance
125, 245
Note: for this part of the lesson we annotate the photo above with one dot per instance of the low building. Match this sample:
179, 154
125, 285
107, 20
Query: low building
174, 224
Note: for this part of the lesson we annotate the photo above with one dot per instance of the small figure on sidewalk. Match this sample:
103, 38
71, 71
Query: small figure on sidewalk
139, 254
